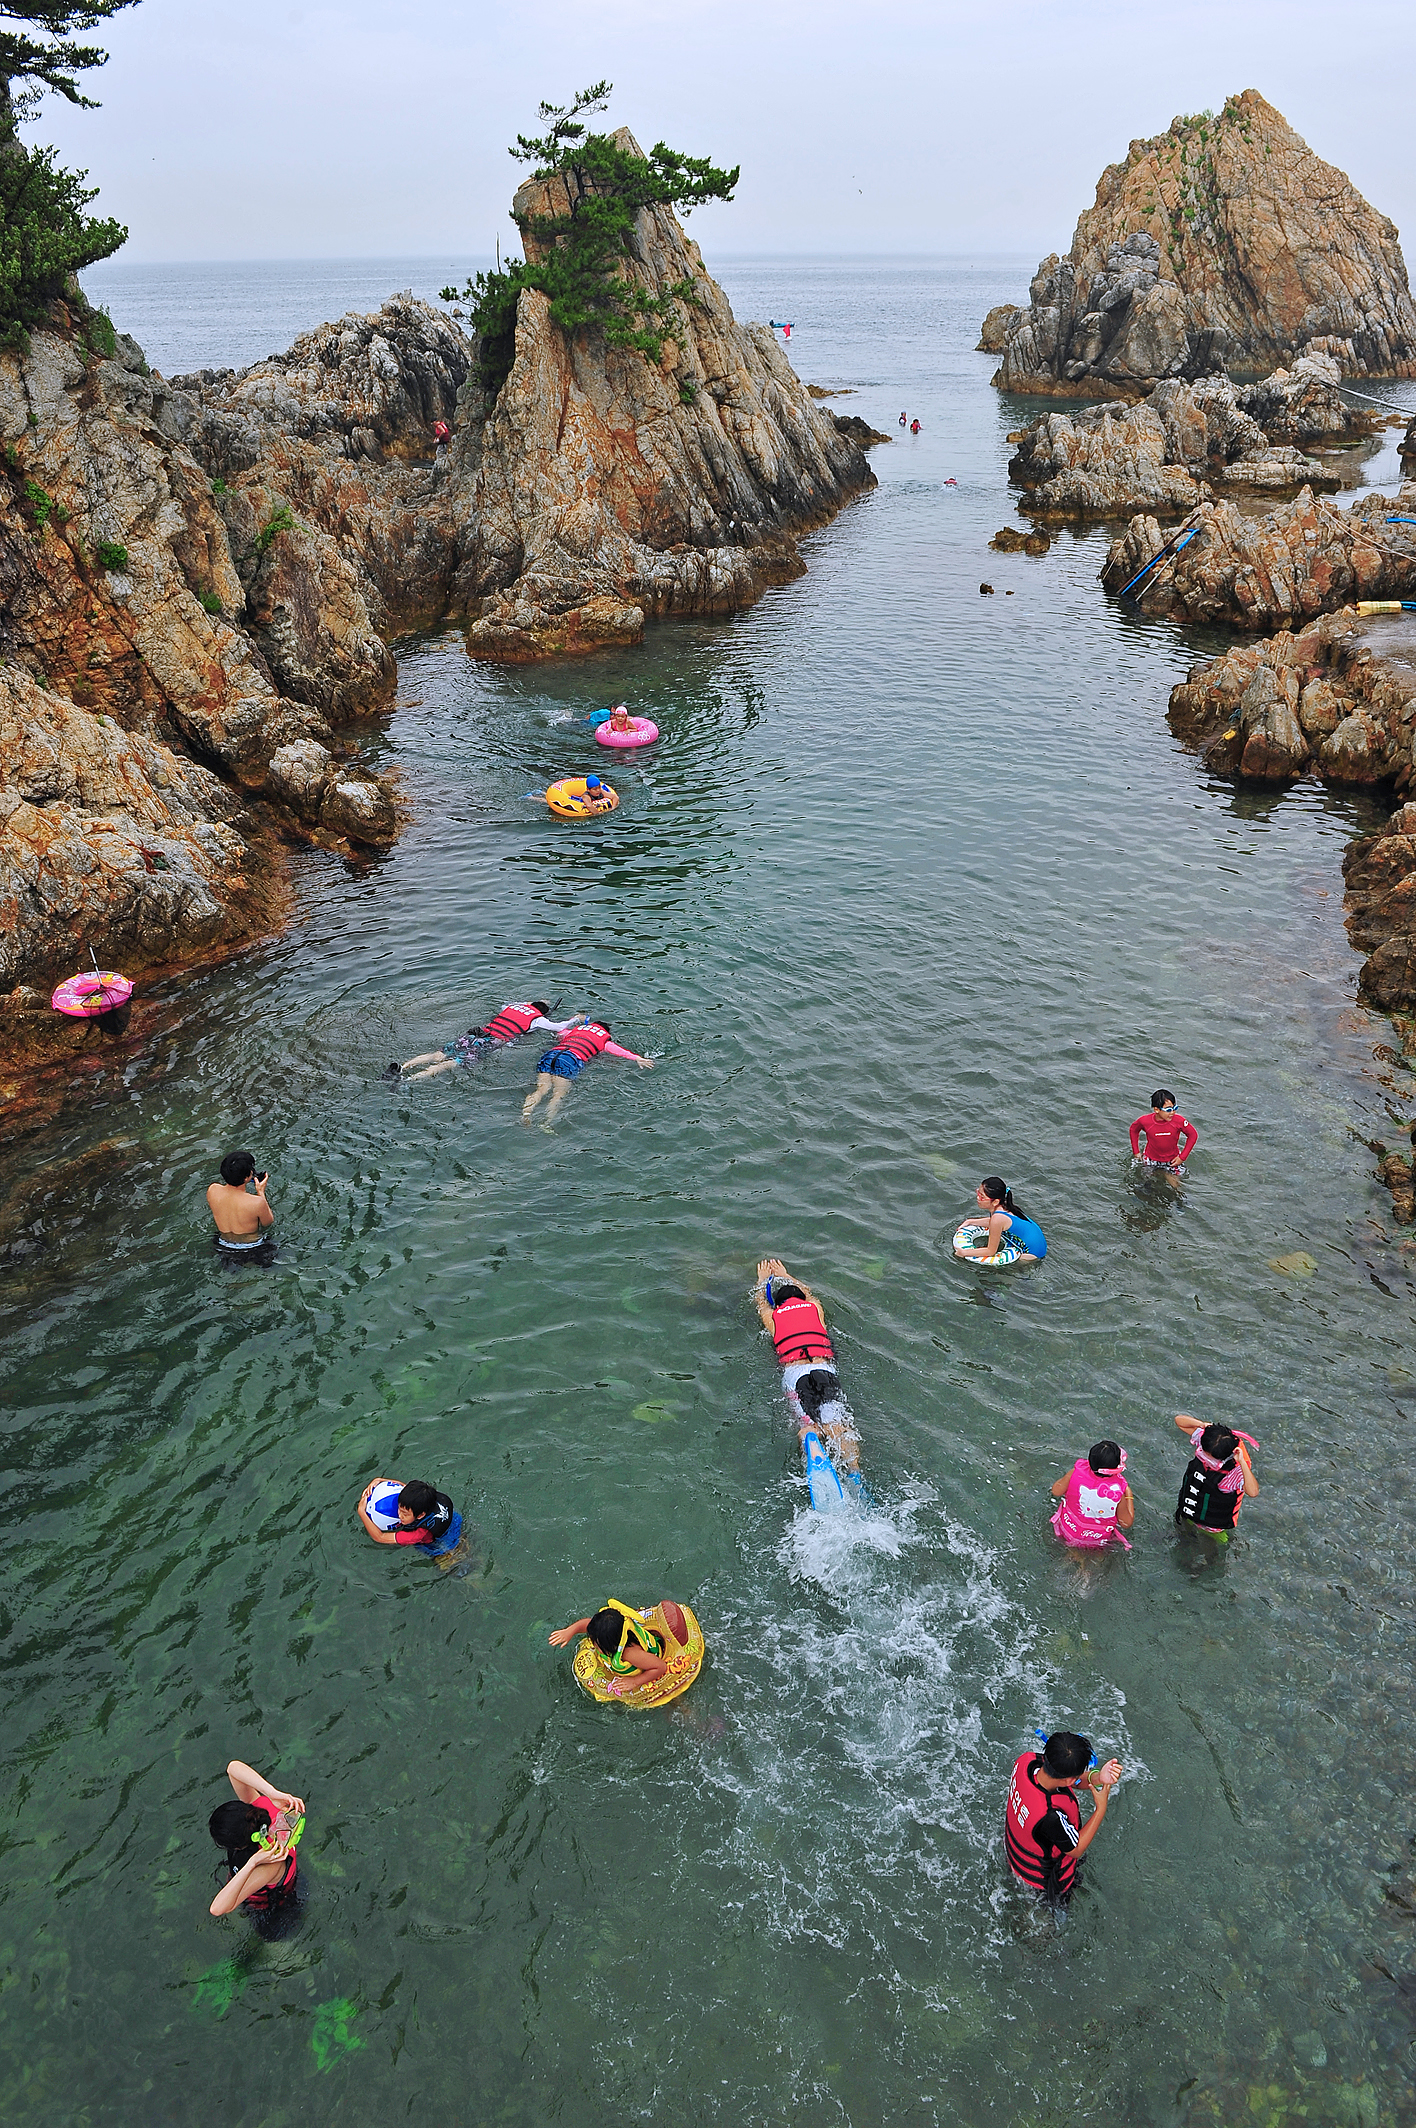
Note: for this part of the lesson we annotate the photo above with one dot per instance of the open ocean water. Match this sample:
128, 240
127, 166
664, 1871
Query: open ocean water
917, 886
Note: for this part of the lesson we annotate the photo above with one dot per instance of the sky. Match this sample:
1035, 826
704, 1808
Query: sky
263, 129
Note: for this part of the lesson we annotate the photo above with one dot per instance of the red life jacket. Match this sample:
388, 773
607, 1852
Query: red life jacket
512, 1020
269, 1893
1028, 1805
583, 1042
799, 1332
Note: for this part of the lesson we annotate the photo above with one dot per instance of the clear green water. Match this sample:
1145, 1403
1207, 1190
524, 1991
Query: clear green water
916, 887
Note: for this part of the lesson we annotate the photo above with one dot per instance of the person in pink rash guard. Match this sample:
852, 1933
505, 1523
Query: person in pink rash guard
571, 1054
1170, 1140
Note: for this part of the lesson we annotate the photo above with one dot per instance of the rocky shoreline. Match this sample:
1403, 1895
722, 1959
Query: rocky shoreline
202, 578
1167, 453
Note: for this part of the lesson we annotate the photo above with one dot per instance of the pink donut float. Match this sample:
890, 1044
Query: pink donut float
643, 731
83, 997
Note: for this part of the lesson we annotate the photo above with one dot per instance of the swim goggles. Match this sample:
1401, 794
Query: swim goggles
263, 1839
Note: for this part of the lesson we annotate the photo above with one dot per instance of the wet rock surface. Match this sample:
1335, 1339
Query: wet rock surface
1222, 242
1302, 559
600, 488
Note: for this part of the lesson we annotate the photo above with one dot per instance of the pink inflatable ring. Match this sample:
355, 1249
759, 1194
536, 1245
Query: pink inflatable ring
643, 731
83, 997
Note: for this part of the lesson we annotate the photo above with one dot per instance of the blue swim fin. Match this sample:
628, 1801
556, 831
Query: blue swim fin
864, 1498
821, 1477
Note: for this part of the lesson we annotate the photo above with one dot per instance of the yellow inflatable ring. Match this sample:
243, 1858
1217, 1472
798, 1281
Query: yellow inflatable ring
685, 1660
571, 800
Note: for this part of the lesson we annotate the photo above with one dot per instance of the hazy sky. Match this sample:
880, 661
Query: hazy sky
286, 129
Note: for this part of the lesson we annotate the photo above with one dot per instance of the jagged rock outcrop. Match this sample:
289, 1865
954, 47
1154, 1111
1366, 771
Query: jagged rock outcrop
1223, 242
339, 430
1001, 320
1302, 559
158, 674
1380, 874
600, 488
1336, 699
1165, 455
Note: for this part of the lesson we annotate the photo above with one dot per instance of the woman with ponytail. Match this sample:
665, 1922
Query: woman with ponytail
1005, 1220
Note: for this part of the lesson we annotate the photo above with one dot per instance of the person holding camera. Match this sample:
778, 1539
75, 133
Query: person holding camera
238, 1205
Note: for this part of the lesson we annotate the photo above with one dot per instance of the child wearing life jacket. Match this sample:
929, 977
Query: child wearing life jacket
627, 1646
393, 1513
508, 1025
796, 1322
1097, 1506
1218, 1478
1043, 1834
1169, 1139
558, 1066
259, 1832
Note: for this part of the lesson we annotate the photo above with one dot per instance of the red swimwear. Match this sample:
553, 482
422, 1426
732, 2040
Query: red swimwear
1163, 1135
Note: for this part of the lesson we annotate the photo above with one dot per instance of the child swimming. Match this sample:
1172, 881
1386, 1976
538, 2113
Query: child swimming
1005, 1220
556, 1067
502, 1028
1096, 1504
797, 1324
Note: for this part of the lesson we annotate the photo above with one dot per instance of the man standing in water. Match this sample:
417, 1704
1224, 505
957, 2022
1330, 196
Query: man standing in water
242, 1215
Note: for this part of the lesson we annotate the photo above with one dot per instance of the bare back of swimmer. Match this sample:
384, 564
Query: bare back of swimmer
241, 1213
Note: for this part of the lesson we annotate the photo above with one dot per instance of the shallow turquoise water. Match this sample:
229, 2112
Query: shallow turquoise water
916, 887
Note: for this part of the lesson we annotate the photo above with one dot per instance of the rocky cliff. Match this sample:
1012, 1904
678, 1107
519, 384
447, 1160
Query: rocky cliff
178, 647
600, 488
1171, 451
1225, 241
200, 577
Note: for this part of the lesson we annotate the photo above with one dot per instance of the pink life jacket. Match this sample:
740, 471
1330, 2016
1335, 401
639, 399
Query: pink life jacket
1086, 1513
583, 1042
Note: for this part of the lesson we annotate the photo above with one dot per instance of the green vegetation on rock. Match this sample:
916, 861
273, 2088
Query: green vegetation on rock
581, 270
45, 236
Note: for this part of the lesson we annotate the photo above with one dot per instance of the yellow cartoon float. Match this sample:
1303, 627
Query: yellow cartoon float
607, 1677
580, 798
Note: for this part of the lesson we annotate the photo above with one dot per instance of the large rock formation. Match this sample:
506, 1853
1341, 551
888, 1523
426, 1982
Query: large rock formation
173, 649
1167, 454
199, 577
1302, 559
600, 488
1223, 241
340, 430
1336, 699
